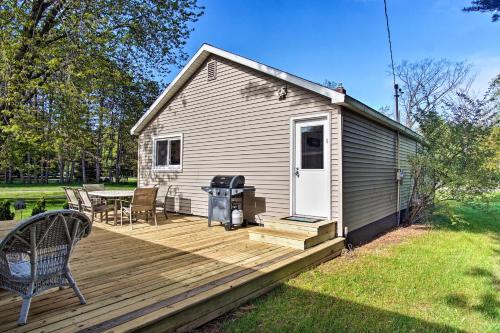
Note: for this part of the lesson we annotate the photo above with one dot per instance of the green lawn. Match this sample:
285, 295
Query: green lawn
446, 279
53, 193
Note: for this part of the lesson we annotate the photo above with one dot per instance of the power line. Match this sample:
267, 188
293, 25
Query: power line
390, 42
397, 91
396, 96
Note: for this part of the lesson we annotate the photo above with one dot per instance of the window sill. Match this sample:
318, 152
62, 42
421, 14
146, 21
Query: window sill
166, 169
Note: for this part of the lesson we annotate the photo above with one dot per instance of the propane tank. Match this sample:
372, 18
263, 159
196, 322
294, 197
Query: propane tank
237, 216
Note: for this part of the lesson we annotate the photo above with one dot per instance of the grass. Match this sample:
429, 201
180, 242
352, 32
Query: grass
446, 279
53, 193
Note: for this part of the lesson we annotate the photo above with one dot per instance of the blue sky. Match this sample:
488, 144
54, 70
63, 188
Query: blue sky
346, 41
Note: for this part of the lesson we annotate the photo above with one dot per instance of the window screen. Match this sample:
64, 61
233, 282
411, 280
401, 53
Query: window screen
168, 153
312, 147
161, 152
175, 152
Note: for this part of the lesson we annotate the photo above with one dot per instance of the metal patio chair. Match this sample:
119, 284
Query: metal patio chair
35, 255
144, 200
93, 207
162, 205
72, 198
95, 188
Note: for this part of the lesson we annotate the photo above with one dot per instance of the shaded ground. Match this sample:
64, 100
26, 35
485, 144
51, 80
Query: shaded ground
442, 277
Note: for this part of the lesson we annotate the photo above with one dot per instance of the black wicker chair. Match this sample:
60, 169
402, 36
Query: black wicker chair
35, 255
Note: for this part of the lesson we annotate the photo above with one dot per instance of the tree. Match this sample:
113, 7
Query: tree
460, 158
74, 76
43, 37
427, 84
330, 84
484, 6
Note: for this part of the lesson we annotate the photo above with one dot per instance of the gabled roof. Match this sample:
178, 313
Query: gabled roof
206, 50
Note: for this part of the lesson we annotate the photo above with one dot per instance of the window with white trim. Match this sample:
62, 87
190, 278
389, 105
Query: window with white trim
167, 153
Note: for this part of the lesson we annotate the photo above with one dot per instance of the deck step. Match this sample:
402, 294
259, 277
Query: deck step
297, 240
312, 229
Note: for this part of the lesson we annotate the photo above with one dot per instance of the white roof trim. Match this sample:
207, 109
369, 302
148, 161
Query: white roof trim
203, 54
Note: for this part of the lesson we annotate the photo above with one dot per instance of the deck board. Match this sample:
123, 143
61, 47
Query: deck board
128, 276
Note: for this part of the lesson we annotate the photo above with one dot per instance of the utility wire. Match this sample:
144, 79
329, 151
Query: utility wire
390, 42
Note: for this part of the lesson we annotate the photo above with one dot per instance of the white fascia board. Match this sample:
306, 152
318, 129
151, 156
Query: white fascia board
202, 54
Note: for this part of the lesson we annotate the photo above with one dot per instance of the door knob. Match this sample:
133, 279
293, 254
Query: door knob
297, 173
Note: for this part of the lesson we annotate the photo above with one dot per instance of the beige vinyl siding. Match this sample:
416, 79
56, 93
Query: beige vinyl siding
369, 170
408, 148
369, 183
234, 124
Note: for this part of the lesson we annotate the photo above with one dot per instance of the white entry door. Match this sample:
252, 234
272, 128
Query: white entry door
310, 165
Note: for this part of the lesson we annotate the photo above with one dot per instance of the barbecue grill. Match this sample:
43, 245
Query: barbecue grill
226, 200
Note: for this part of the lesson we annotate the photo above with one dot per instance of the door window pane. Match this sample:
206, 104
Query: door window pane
161, 152
312, 147
175, 152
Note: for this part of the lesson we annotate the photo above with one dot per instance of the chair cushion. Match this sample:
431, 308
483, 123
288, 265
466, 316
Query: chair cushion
20, 269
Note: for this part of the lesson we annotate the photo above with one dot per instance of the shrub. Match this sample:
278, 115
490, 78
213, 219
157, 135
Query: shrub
5, 212
66, 205
39, 207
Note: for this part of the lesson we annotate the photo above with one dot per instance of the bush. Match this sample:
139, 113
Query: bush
5, 212
66, 205
39, 207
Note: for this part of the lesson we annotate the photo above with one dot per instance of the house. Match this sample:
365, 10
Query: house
308, 150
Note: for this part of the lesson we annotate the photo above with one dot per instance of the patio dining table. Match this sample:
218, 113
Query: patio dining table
113, 195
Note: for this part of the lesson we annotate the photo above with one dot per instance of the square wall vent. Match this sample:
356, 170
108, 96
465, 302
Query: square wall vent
212, 70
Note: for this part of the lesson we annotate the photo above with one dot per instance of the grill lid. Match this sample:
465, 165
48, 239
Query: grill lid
221, 181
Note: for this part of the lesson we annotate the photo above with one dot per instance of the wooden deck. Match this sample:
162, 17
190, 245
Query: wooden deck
174, 277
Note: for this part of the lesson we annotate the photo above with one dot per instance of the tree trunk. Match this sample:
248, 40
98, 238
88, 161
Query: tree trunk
119, 152
84, 171
66, 172
97, 170
118, 170
61, 170
46, 173
72, 172
8, 174
99, 144
29, 168
41, 177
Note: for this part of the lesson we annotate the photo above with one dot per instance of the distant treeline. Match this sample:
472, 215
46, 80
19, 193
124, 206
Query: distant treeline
76, 76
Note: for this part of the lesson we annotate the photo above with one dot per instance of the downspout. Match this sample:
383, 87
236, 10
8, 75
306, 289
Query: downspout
398, 179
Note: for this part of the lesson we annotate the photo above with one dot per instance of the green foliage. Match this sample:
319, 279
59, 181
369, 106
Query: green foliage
39, 207
74, 78
485, 6
66, 205
5, 212
460, 158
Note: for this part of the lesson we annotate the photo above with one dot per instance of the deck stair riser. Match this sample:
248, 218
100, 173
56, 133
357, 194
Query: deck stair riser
295, 235
312, 229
